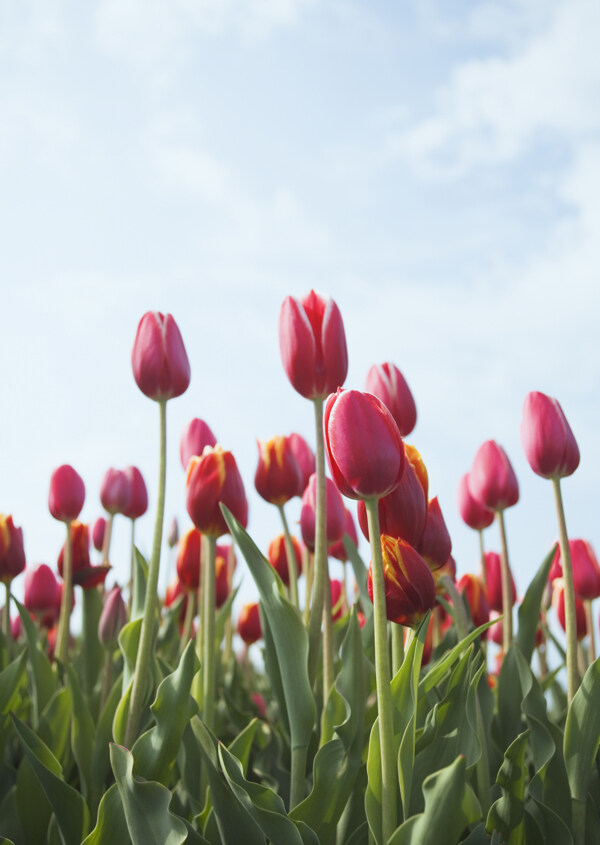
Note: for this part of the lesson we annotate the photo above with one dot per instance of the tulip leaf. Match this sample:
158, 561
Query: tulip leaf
103, 736
529, 610
274, 671
82, 733
506, 815
44, 680
145, 804
289, 635
140, 578
10, 823
55, 724
582, 738
92, 653
438, 670
223, 614
68, 805
28, 794
173, 707
450, 807
129, 640
111, 826
12, 679
360, 573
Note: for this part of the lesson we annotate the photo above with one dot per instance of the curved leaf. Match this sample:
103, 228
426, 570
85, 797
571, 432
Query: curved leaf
506, 815
111, 826
529, 610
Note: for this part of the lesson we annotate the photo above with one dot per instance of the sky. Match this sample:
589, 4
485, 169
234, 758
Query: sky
433, 167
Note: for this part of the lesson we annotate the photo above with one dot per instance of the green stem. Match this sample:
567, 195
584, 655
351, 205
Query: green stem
6, 618
298, 774
62, 638
482, 559
107, 538
589, 621
308, 565
208, 623
570, 618
131, 570
389, 774
91, 649
107, 677
291, 557
144, 655
507, 621
328, 669
460, 613
200, 595
187, 622
397, 647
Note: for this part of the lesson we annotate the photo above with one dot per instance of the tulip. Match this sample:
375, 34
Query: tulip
194, 438
160, 364
278, 476
363, 445
278, 558
409, 585
337, 550
98, 532
474, 514
223, 575
312, 343
174, 590
586, 571
493, 581
387, 383
114, 491
336, 513
338, 599
12, 553
212, 479
448, 570
112, 618
249, 627
495, 632
16, 628
548, 442
492, 481
137, 500
305, 457
67, 494
83, 574
403, 512
558, 600
435, 544
42, 593
189, 559
259, 703
474, 593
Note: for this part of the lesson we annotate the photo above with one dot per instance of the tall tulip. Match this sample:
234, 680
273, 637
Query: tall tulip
473, 514
305, 457
277, 556
114, 495
409, 584
387, 383
137, 505
12, 561
249, 627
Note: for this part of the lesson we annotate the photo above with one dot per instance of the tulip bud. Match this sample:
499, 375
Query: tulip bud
548, 442
249, 627
174, 590
305, 457
403, 512
473, 592
493, 580
212, 479
338, 600
137, 501
278, 477
363, 445
67, 494
387, 383
12, 553
409, 585
313, 345
259, 703
42, 592
277, 557
586, 571
160, 364
475, 515
173, 535
337, 550
98, 531
435, 545
188, 559
335, 511
112, 618
114, 491
492, 481
194, 439
558, 600
495, 633
84, 574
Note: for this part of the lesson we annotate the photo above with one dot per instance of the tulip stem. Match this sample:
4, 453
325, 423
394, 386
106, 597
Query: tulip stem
208, 623
107, 538
107, 677
570, 617
298, 774
6, 618
131, 570
587, 604
397, 647
482, 559
507, 621
389, 777
187, 622
460, 613
309, 567
200, 596
144, 655
62, 638
291, 558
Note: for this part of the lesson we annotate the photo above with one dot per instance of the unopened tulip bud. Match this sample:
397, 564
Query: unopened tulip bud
493, 580
42, 591
409, 584
277, 557
84, 574
188, 559
336, 514
475, 515
473, 592
492, 481
249, 627
214, 479
586, 571
387, 383
12, 553
337, 550
173, 535
98, 531
435, 544
67, 494
312, 343
548, 442
160, 363
305, 457
195, 437
137, 502
112, 618
278, 477
114, 491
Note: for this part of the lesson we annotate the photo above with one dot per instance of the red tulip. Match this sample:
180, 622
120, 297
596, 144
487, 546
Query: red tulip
42, 593
558, 600
336, 514
277, 557
338, 602
98, 531
160, 363
474, 593
112, 618
449, 569
337, 550
84, 574
16, 628
278, 476
225, 564
435, 544
548, 442
586, 571
495, 632
403, 512
493, 580
194, 438
137, 501
305, 457
409, 585
12, 553
212, 479
313, 345
174, 590
492, 481
67, 494
387, 383
363, 445
249, 623
114, 491
475, 515
188, 559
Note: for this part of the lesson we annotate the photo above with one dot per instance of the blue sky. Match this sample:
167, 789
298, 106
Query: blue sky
434, 167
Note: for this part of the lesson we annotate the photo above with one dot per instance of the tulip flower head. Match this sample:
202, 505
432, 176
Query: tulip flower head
387, 383
435, 544
112, 618
473, 592
277, 557
212, 479
409, 584
337, 550
42, 593
12, 553
84, 574
67, 494
114, 491
558, 600
194, 439
173, 534
548, 442
160, 364
473, 514
493, 580
492, 481
312, 343
338, 599
98, 531
305, 457
335, 511
188, 559
249, 627
586, 571
278, 476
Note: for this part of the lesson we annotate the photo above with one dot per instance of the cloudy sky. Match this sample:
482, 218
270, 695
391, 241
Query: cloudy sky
433, 167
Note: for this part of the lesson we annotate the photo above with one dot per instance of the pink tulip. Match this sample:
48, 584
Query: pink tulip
67, 494
304, 455
493, 580
475, 515
337, 550
160, 364
387, 383
492, 481
42, 592
114, 491
586, 571
137, 502
112, 618
98, 531
194, 438
435, 544
548, 442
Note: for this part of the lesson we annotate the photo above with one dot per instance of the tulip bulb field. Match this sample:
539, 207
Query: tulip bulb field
400, 705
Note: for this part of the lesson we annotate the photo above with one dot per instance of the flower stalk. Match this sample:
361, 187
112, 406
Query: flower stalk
570, 617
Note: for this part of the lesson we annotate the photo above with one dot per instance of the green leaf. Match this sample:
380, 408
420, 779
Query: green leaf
288, 633
145, 804
82, 733
506, 815
582, 732
44, 680
241, 746
140, 578
10, 822
68, 805
100, 753
450, 807
55, 724
11, 680
360, 573
439, 669
92, 653
129, 640
29, 793
111, 827
529, 611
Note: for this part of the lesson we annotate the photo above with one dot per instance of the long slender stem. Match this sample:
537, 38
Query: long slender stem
482, 559
6, 618
107, 538
200, 594
187, 622
62, 638
208, 622
291, 558
308, 565
144, 655
570, 618
298, 774
507, 622
589, 621
382, 675
131, 570
397, 647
